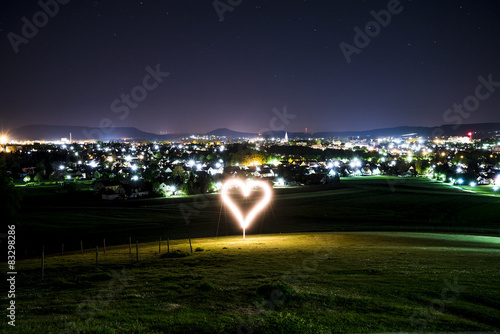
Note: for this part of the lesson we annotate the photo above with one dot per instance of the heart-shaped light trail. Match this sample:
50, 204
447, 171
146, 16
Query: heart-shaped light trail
245, 189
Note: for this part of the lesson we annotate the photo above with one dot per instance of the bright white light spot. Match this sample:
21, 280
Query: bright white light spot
472, 184
133, 167
93, 164
61, 167
245, 189
135, 178
460, 181
218, 165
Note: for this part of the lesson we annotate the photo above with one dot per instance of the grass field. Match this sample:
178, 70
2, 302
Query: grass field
373, 254
358, 204
289, 283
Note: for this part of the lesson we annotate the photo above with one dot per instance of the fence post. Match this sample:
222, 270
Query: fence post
104, 242
130, 245
190, 246
159, 246
97, 255
43, 261
168, 245
137, 250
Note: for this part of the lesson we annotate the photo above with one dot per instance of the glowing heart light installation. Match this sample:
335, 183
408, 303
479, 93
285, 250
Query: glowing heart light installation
245, 189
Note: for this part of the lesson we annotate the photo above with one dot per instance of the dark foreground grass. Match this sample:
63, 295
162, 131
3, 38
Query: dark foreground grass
291, 283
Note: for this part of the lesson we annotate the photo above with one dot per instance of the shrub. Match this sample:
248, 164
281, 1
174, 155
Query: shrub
175, 254
277, 290
206, 287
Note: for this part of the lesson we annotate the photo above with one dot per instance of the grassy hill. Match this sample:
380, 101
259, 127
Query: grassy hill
289, 283
357, 204
374, 254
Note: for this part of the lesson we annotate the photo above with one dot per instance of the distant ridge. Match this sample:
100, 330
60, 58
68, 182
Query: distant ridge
56, 132
224, 132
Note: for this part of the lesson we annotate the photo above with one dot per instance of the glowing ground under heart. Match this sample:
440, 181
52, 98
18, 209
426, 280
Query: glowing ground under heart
245, 188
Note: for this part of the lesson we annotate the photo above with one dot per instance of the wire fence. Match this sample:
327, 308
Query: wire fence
105, 255
134, 251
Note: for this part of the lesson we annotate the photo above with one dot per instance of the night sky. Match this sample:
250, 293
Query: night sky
233, 73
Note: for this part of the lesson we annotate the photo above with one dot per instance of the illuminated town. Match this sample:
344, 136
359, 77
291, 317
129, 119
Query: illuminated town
198, 164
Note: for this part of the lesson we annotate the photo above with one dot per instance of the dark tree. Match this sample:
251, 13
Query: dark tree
10, 200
